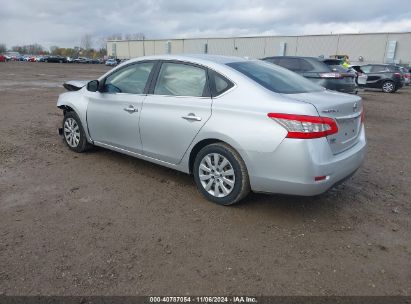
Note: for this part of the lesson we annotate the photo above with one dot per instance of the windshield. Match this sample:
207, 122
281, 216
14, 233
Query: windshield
275, 78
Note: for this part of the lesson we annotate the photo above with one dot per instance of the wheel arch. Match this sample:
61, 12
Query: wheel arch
66, 109
208, 141
78, 106
197, 147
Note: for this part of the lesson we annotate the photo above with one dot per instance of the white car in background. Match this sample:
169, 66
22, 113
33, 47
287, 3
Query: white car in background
111, 62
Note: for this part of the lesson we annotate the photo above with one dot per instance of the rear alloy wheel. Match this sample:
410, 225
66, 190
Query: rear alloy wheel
221, 175
388, 87
73, 133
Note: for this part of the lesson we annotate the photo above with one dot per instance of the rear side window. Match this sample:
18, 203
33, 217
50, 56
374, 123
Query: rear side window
306, 66
393, 68
131, 79
272, 60
219, 84
292, 64
178, 79
275, 78
379, 69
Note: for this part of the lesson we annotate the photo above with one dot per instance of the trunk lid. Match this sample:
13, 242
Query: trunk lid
344, 108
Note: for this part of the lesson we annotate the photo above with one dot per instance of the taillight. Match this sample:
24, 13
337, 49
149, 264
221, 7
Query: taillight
303, 126
398, 74
330, 75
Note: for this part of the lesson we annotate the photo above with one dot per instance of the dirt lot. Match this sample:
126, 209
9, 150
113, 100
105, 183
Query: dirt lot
102, 223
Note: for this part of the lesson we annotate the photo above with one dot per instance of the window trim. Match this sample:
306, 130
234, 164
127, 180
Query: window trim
102, 83
206, 91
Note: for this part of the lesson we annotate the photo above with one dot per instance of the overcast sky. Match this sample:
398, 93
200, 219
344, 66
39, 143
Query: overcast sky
63, 22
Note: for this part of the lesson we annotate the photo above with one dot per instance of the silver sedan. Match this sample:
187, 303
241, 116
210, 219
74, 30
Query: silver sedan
235, 124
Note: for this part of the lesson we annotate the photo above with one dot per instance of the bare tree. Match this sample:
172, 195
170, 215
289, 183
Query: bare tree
86, 43
53, 49
117, 36
3, 48
135, 36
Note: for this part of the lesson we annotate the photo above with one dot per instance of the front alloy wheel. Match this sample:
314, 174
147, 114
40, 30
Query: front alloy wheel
71, 132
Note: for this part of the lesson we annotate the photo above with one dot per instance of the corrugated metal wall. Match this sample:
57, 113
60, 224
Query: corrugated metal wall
371, 47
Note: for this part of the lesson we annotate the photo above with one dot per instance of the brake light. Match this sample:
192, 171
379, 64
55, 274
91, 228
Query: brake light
398, 74
330, 75
304, 126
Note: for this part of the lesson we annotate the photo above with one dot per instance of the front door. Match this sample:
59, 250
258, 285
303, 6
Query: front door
113, 114
174, 113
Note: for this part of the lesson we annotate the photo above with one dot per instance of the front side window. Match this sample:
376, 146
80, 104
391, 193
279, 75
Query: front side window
275, 78
366, 68
131, 79
178, 79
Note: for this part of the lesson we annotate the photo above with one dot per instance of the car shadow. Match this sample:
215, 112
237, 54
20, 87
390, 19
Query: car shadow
329, 202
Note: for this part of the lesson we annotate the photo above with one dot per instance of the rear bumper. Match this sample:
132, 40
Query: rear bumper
293, 166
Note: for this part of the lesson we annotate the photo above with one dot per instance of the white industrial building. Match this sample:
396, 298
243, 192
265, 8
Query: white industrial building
361, 48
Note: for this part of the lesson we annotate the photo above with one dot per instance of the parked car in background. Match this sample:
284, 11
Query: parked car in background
2, 58
386, 77
318, 72
40, 59
56, 59
406, 75
268, 129
82, 60
111, 62
69, 59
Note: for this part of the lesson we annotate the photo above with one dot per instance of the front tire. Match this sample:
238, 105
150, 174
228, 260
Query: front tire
221, 174
388, 87
73, 133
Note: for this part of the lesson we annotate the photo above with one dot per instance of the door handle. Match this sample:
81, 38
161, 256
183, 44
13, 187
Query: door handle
131, 109
191, 116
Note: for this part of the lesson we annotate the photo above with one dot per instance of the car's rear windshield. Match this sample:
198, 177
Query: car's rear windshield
275, 78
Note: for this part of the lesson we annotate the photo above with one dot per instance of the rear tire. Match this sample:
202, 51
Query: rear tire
221, 174
73, 133
388, 87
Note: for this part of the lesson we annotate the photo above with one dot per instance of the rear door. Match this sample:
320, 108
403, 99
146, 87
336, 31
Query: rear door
113, 114
376, 74
173, 113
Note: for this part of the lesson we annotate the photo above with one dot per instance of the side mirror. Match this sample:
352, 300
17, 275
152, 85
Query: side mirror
93, 86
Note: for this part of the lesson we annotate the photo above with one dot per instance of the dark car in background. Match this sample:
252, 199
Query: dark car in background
318, 72
386, 77
55, 59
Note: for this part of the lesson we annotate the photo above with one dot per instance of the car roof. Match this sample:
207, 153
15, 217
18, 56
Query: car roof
293, 57
195, 58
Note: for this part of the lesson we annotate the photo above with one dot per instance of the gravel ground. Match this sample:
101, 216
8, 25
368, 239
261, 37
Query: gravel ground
101, 223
